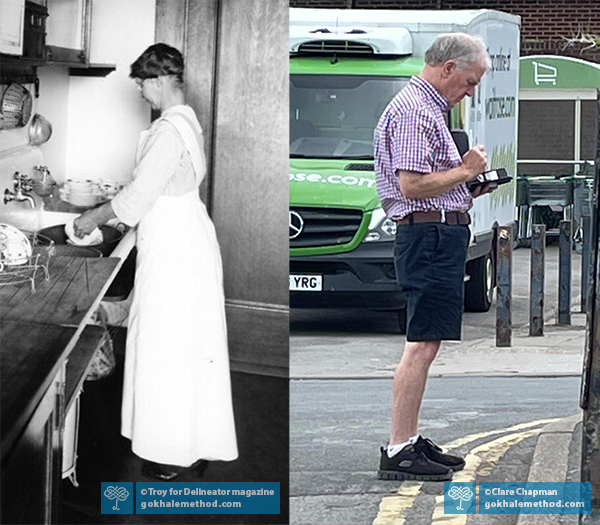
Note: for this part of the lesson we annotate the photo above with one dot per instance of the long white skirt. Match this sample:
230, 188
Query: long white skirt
177, 405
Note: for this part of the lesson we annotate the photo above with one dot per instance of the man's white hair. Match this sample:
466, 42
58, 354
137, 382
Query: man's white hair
466, 50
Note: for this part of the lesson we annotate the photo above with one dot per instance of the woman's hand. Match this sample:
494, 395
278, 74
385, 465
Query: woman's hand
85, 224
92, 219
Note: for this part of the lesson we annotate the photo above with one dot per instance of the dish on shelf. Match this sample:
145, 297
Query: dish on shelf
82, 193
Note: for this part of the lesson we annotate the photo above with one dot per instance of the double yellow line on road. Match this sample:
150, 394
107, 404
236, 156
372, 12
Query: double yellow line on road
480, 460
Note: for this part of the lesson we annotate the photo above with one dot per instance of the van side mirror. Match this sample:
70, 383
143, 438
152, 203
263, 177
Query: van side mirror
461, 139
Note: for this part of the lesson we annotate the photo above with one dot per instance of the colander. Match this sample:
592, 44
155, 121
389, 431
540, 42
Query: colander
16, 106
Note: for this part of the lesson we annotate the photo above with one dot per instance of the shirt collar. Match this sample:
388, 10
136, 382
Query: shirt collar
429, 90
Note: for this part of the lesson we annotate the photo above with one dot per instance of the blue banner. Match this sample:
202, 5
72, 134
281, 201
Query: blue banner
535, 498
207, 498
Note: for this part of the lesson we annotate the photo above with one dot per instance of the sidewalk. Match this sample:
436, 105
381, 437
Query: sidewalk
557, 458
559, 352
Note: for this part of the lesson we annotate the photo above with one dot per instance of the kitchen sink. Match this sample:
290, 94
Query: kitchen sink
30, 220
21, 216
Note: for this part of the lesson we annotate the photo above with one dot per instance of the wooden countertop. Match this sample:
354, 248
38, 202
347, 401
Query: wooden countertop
74, 286
40, 329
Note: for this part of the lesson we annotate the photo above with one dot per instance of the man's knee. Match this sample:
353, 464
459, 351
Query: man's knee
422, 351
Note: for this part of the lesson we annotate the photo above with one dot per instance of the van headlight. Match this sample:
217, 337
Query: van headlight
380, 228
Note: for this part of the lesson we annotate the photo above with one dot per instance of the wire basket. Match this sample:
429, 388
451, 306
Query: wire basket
16, 106
35, 268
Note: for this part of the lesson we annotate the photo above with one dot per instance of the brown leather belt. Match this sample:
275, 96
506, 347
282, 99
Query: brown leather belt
449, 217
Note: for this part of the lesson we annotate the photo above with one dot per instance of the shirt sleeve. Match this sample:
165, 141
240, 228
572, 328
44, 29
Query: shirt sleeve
160, 156
412, 142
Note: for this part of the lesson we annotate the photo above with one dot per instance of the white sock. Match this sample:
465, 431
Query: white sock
392, 450
414, 439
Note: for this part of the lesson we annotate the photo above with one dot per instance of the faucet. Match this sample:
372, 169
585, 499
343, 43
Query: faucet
22, 184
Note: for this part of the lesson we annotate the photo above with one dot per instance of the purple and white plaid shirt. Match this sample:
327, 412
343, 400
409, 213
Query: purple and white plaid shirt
412, 135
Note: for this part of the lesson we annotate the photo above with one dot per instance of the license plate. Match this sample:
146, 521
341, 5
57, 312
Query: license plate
306, 283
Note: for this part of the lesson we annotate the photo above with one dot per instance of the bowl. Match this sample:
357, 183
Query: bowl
40, 130
111, 237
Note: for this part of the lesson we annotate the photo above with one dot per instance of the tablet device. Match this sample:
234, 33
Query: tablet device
495, 177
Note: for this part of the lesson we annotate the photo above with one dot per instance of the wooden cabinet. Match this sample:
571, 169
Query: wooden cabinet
31, 472
46, 351
67, 31
46, 33
12, 13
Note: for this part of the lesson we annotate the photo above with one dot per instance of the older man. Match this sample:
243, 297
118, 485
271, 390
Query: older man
421, 183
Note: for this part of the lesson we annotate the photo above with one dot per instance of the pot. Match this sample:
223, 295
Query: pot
111, 237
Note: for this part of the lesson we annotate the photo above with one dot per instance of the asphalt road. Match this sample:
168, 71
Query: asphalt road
337, 427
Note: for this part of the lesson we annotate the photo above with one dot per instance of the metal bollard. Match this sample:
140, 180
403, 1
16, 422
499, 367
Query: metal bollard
537, 277
585, 260
564, 273
504, 285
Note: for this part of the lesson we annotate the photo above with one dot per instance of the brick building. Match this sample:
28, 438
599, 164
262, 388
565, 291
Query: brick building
546, 25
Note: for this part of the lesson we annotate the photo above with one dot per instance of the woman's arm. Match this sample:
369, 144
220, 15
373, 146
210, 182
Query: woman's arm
87, 222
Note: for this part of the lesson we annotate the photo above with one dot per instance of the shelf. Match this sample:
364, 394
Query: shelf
24, 75
92, 70
24, 70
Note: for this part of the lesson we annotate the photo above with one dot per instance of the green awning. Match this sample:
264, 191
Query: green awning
556, 72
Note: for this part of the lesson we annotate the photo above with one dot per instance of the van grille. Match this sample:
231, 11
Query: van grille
326, 227
359, 167
335, 46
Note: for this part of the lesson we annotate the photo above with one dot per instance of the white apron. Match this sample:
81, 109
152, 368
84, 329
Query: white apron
177, 405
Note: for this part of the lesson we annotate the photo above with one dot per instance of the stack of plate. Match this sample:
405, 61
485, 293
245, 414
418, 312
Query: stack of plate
83, 193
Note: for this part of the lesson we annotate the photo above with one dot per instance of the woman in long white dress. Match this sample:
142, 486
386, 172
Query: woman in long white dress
177, 408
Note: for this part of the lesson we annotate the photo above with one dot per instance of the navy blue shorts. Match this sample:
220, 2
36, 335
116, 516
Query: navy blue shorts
430, 263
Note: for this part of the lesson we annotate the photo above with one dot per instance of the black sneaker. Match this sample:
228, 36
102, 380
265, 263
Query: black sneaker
410, 463
434, 453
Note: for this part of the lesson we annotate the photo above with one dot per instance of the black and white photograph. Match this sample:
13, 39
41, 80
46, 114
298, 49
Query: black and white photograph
143, 297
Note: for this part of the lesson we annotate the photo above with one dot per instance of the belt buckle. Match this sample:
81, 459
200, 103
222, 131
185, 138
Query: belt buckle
443, 212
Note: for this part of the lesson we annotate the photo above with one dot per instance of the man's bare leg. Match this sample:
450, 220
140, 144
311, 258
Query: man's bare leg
409, 387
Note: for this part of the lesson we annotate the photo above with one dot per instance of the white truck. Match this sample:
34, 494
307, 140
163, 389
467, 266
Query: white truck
345, 66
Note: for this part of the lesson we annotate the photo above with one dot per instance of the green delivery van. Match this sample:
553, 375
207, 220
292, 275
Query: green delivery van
345, 67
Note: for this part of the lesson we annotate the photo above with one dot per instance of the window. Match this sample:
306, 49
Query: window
334, 116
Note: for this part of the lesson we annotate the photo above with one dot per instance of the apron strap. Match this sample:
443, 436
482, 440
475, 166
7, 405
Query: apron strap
191, 135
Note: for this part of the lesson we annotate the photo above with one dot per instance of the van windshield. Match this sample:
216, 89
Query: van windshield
334, 116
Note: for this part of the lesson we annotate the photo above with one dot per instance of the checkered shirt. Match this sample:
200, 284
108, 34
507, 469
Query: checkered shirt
412, 136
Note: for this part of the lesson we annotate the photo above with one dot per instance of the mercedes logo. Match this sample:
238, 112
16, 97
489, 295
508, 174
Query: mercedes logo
296, 224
